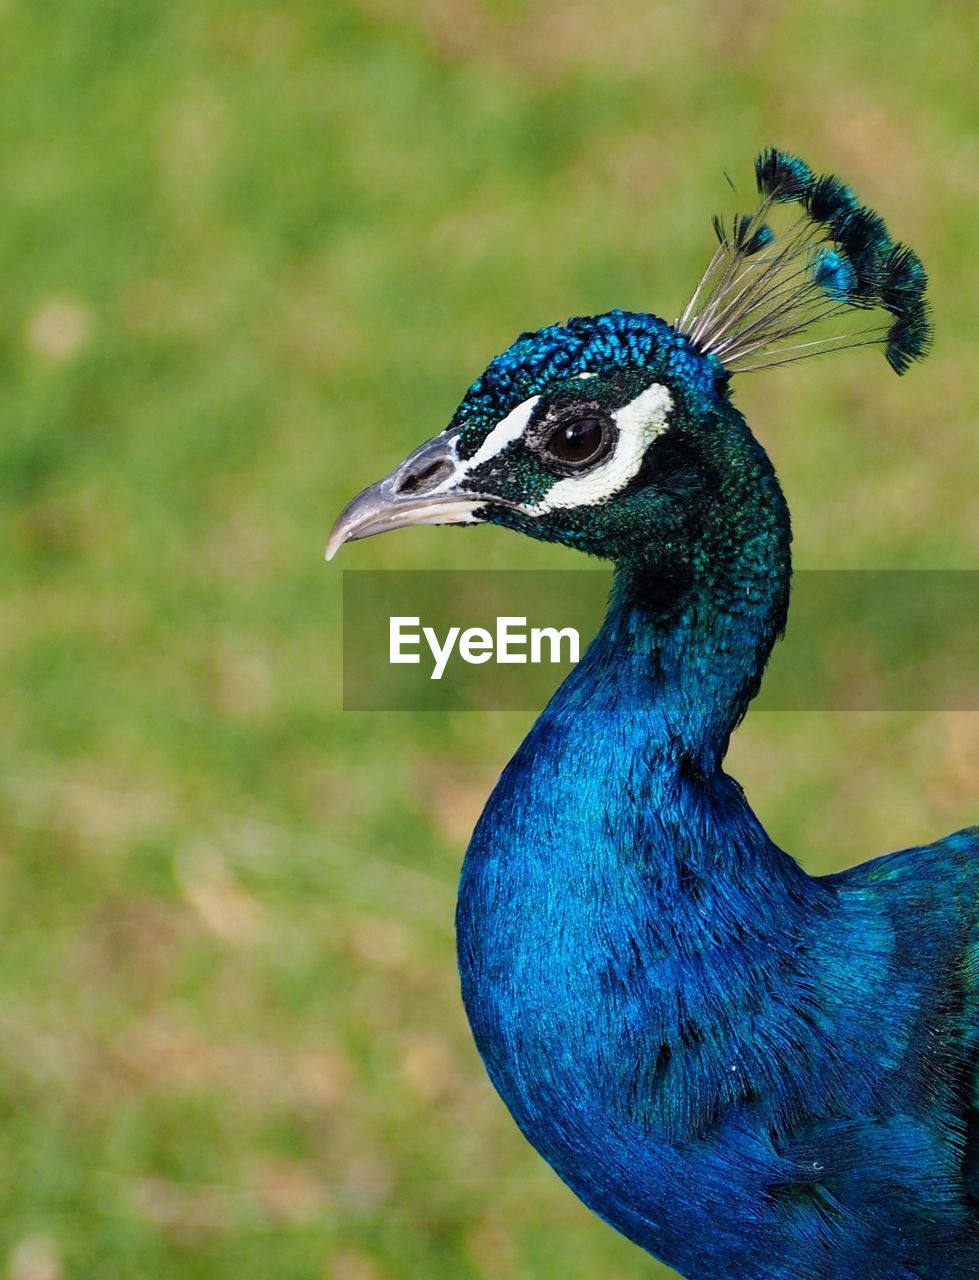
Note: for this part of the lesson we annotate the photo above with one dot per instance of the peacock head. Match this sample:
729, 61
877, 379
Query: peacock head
615, 432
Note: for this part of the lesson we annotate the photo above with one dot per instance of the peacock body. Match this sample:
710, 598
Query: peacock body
751, 1072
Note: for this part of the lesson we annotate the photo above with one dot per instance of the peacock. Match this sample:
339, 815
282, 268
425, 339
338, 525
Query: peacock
751, 1072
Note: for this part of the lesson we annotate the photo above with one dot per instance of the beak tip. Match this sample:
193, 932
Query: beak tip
388, 504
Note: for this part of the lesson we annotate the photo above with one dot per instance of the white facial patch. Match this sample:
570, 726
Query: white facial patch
639, 423
504, 433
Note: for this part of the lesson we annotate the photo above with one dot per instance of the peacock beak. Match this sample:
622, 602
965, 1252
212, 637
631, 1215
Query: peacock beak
422, 490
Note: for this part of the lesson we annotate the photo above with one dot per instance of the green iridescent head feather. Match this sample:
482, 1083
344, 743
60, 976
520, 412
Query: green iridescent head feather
615, 434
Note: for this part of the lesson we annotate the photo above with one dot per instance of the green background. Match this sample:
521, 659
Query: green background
250, 254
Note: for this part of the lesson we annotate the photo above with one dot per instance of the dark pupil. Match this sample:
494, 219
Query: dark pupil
576, 441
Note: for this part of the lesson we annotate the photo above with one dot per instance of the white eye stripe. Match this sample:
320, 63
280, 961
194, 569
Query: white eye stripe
649, 412
504, 433
639, 423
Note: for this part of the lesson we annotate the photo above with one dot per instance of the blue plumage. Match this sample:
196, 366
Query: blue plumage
753, 1073
835, 274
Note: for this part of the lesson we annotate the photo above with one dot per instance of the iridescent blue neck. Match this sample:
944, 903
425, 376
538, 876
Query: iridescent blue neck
615, 845
683, 651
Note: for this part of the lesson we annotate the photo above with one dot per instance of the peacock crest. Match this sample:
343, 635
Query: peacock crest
834, 262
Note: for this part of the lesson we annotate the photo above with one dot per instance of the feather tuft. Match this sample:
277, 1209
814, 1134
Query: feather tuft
829, 199
835, 275
861, 235
781, 176
751, 238
835, 260
908, 339
904, 279
903, 295
747, 237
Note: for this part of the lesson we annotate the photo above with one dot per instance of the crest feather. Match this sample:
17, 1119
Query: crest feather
835, 259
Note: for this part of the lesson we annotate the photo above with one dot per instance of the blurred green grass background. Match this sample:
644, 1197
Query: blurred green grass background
250, 254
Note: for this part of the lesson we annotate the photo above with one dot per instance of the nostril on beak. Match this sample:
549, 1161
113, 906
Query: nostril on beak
423, 478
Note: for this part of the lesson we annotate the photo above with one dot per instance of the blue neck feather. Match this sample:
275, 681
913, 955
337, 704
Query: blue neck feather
664, 999
613, 847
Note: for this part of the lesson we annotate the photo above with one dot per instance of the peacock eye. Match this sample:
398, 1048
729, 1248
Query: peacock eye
577, 441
